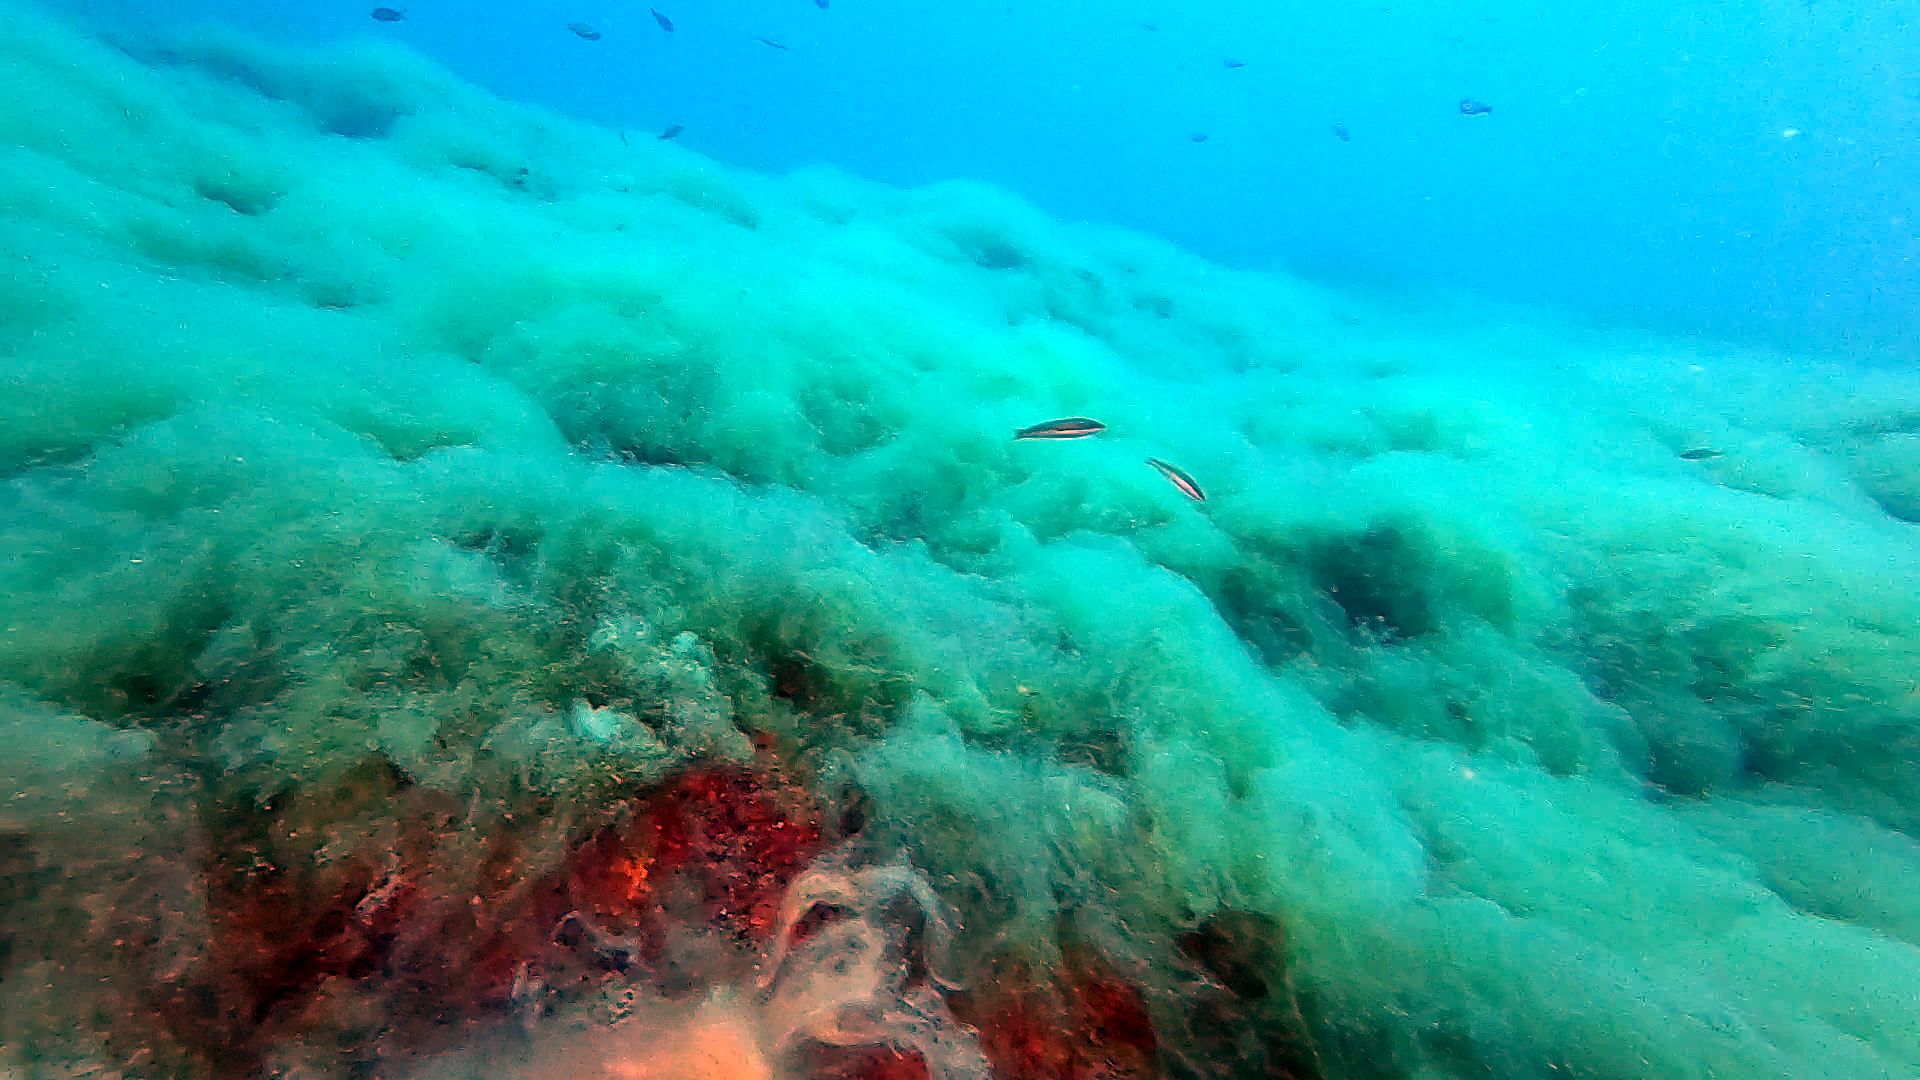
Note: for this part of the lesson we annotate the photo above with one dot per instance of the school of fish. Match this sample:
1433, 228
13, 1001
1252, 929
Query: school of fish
588, 32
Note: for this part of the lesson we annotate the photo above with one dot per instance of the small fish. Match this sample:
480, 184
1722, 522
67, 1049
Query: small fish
1231, 62
1340, 132
1700, 453
387, 14
1470, 107
821, 4
771, 42
1068, 427
1179, 478
670, 132
584, 30
665, 23
1201, 137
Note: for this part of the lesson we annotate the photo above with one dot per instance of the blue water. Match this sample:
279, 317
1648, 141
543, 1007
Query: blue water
487, 592
1745, 171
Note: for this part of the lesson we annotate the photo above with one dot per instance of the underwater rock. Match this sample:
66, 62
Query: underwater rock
857, 962
848, 988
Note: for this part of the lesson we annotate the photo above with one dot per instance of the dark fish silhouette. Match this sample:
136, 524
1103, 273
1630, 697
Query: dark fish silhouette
771, 42
1201, 137
1179, 478
1231, 62
584, 30
665, 23
1700, 453
670, 132
1470, 107
387, 14
1340, 132
1067, 427
820, 4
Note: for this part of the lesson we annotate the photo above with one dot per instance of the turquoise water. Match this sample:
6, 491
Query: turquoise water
484, 593
1740, 171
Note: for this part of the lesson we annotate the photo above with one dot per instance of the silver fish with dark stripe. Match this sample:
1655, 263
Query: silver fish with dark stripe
1067, 427
1178, 477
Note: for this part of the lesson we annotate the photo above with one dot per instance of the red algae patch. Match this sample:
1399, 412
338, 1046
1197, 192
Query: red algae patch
864, 1063
739, 837
1082, 1022
374, 918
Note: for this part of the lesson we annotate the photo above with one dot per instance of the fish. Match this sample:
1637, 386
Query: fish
665, 23
387, 14
1470, 107
585, 31
1067, 427
1200, 137
771, 42
672, 130
1340, 132
1178, 477
1231, 62
1701, 453
821, 4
